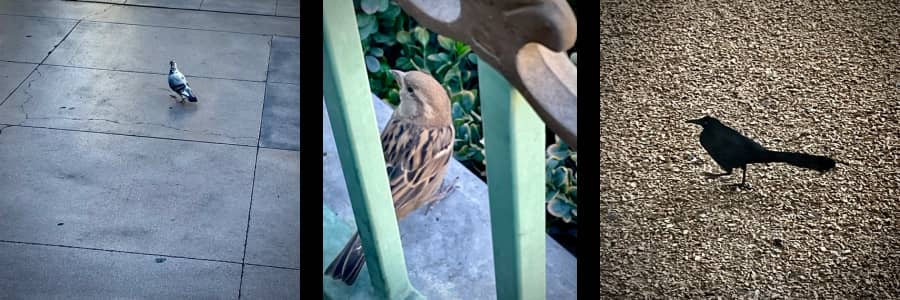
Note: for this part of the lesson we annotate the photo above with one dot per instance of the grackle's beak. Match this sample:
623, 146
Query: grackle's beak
697, 121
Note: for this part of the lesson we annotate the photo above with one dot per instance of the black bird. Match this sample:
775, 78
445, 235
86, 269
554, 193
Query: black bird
732, 150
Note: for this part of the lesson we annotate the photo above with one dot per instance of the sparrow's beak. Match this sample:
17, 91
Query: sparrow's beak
398, 76
697, 121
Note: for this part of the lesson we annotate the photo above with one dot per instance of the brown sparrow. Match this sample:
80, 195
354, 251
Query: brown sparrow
417, 144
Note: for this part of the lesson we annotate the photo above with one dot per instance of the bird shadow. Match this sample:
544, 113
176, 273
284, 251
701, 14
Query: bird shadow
179, 110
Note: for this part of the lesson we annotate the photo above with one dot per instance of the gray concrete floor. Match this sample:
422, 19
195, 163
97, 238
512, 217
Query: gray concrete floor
109, 189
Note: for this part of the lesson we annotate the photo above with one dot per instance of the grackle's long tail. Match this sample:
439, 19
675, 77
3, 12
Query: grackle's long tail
815, 162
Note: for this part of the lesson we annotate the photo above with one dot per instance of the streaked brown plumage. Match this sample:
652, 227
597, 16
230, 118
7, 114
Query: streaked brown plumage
417, 144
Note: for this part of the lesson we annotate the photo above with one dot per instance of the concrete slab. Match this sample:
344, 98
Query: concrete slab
125, 193
148, 49
136, 104
51, 8
51, 272
270, 283
265, 7
29, 39
333, 226
281, 117
11, 74
284, 63
288, 8
440, 264
204, 20
195, 4
274, 236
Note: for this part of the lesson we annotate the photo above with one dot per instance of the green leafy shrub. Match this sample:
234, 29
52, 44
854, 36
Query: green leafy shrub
393, 40
562, 178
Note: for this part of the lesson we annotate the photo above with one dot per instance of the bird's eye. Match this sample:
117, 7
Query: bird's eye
409, 89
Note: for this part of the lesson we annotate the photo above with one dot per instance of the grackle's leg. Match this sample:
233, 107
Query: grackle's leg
743, 183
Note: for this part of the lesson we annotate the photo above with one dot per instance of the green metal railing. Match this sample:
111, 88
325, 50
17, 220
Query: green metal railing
514, 137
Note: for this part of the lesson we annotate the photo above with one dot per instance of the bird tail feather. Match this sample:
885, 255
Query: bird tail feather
349, 262
815, 162
190, 95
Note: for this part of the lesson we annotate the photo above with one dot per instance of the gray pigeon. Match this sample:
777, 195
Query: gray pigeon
179, 84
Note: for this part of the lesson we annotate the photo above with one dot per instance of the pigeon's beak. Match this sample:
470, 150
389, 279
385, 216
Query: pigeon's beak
398, 76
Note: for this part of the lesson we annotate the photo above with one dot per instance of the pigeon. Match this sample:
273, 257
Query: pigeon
179, 84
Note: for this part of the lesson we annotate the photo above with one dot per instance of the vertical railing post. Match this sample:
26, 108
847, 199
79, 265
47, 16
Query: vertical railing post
349, 104
514, 137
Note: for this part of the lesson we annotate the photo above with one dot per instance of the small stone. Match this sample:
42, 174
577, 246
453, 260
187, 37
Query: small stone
160, 260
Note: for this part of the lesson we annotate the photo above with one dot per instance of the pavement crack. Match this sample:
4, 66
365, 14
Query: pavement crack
27, 92
87, 17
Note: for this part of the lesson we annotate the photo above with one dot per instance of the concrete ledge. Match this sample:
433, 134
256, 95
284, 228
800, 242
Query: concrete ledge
448, 252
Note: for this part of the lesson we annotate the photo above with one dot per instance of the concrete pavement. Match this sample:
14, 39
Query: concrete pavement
110, 189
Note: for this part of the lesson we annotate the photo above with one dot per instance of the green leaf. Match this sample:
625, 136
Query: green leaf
368, 30
404, 37
383, 5
457, 111
552, 164
556, 152
382, 38
369, 6
377, 52
466, 99
403, 63
434, 57
463, 132
574, 58
364, 20
446, 43
392, 12
474, 134
462, 49
372, 64
421, 35
559, 208
443, 57
550, 194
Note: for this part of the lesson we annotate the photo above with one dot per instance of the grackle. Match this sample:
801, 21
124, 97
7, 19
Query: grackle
732, 150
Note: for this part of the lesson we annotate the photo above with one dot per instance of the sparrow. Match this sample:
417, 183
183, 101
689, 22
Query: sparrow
179, 84
418, 144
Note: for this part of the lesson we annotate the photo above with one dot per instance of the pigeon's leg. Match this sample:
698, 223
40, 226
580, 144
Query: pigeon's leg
441, 194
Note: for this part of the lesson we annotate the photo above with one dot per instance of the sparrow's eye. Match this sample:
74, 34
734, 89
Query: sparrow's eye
409, 89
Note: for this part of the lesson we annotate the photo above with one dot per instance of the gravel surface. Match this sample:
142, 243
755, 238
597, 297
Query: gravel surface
793, 75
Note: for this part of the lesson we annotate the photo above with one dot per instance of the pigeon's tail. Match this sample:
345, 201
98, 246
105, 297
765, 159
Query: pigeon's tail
190, 95
349, 262
808, 161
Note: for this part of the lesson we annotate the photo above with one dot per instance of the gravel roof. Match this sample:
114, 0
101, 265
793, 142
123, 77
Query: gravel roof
821, 78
